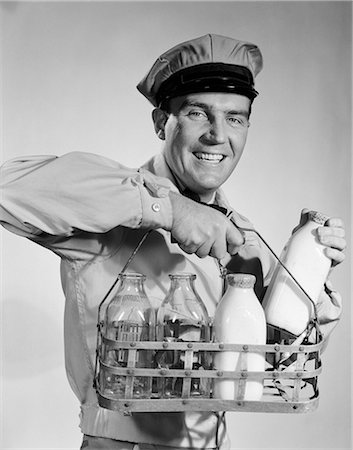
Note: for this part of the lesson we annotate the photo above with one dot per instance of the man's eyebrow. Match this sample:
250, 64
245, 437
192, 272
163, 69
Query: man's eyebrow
238, 112
187, 103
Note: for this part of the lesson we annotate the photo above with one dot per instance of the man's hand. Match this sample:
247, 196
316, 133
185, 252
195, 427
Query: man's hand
332, 235
203, 230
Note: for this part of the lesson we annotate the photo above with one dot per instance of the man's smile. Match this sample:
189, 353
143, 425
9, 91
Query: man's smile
213, 158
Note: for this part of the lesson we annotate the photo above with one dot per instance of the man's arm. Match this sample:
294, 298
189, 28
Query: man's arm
61, 196
76, 192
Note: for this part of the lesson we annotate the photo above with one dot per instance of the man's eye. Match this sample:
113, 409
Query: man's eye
197, 115
238, 121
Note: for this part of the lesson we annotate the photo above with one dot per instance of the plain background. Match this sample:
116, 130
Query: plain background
69, 72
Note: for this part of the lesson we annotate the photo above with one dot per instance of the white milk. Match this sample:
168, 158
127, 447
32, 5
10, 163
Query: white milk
239, 319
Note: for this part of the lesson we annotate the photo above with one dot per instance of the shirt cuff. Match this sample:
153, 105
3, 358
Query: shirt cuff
156, 205
329, 309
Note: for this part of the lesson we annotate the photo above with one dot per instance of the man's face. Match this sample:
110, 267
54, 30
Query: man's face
205, 134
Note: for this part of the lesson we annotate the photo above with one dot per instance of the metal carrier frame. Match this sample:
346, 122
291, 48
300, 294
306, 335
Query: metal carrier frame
290, 378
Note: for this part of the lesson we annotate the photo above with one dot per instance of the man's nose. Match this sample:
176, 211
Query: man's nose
216, 133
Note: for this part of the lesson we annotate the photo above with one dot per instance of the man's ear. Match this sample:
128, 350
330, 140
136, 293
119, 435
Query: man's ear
160, 118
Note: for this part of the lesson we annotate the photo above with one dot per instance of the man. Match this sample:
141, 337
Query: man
92, 212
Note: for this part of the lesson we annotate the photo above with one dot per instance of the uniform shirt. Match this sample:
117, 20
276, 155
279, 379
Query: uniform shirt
92, 212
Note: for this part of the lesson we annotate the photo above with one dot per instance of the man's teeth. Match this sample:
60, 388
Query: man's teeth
209, 156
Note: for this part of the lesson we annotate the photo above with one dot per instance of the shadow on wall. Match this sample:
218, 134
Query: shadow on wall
32, 340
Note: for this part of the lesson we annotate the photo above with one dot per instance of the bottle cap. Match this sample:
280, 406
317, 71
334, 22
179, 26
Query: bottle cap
242, 280
318, 217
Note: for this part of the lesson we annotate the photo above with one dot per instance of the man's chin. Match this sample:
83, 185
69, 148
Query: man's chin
209, 188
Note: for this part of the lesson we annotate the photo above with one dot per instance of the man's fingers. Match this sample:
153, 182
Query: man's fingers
202, 230
204, 250
219, 250
335, 242
188, 248
337, 256
235, 239
332, 237
331, 230
335, 222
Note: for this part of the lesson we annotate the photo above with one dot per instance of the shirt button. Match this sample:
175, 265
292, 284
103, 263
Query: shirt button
156, 207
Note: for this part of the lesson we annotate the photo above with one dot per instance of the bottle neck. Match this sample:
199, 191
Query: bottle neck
238, 291
132, 284
183, 282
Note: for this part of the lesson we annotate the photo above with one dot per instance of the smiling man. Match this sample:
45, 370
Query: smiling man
92, 212
205, 134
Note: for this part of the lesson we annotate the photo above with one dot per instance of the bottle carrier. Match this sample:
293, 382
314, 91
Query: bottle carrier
290, 378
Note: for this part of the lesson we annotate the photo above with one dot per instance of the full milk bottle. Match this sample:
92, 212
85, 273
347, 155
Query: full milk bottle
239, 319
286, 306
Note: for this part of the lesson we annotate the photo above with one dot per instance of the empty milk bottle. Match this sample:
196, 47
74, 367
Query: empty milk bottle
129, 317
239, 319
182, 317
286, 305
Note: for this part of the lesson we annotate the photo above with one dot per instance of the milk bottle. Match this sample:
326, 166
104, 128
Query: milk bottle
286, 305
239, 319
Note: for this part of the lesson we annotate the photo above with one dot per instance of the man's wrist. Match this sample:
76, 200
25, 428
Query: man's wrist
155, 201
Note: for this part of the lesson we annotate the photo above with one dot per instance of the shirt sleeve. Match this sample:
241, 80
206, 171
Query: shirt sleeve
80, 192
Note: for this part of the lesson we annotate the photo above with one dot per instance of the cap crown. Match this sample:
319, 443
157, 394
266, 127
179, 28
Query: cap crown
210, 48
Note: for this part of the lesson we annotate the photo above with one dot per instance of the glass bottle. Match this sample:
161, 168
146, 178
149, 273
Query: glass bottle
286, 306
182, 317
128, 317
239, 319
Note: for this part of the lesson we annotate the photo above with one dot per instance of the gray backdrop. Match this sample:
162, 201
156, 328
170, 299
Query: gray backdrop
69, 74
